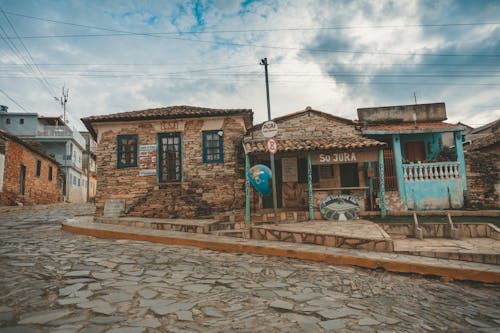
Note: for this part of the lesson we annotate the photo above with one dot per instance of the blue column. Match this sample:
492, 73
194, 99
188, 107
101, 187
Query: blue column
398, 160
460, 158
247, 189
310, 187
381, 172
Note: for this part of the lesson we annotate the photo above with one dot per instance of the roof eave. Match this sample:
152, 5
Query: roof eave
412, 131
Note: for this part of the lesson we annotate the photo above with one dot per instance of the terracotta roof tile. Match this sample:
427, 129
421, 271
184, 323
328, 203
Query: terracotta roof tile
325, 143
170, 112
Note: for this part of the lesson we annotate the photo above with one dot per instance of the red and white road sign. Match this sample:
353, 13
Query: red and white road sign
272, 146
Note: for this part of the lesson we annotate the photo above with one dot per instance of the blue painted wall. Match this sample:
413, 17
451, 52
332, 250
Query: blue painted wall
29, 127
435, 194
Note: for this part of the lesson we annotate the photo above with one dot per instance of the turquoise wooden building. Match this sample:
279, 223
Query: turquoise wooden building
420, 172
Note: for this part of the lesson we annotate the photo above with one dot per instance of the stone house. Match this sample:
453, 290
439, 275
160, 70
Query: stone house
170, 162
421, 174
56, 138
318, 155
482, 157
27, 175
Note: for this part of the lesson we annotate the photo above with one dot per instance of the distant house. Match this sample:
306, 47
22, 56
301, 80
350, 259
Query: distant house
56, 138
421, 174
485, 138
89, 166
483, 163
27, 175
318, 155
449, 138
178, 161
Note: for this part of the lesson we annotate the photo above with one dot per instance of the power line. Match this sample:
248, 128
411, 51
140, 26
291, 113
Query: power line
13, 100
253, 64
43, 79
405, 26
252, 45
230, 80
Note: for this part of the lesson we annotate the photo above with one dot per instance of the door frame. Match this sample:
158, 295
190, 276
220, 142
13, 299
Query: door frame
158, 157
22, 179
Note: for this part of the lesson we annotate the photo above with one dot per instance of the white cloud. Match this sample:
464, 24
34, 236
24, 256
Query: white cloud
297, 79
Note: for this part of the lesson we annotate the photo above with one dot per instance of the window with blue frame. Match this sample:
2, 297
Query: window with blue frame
127, 150
213, 146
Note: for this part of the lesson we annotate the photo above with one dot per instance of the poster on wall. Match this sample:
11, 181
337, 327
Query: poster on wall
147, 160
289, 169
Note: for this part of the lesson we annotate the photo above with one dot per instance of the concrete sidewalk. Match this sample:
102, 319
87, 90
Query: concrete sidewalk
392, 262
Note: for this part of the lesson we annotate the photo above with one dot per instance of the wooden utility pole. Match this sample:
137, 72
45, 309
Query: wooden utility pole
273, 172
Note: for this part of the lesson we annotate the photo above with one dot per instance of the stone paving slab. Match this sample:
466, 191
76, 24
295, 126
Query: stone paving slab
36, 255
393, 262
352, 229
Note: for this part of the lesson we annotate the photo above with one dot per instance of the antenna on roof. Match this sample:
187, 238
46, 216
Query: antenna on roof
63, 100
415, 97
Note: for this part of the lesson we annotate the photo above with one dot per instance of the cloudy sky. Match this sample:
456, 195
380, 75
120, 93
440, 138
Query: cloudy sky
334, 56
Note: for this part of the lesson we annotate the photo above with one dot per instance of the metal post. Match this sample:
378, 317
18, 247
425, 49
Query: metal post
247, 189
273, 172
310, 187
383, 212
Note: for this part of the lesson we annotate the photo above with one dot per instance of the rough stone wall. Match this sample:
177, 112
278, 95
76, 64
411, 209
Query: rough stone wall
206, 188
394, 202
309, 124
483, 180
38, 190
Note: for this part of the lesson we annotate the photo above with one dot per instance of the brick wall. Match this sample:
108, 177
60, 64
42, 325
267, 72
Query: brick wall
38, 189
483, 180
206, 189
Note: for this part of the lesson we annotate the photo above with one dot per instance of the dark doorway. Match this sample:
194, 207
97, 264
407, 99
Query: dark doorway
414, 151
349, 175
22, 180
169, 163
268, 200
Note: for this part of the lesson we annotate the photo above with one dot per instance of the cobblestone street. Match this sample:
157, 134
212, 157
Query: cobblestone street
54, 281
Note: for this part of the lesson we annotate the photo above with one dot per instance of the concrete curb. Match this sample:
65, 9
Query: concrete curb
320, 254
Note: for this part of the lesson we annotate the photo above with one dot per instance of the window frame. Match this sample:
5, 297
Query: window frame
50, 173
38, 171
119, 164
204, 147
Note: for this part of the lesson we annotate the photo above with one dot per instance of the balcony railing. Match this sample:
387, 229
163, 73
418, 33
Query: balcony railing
431, 171
60, 131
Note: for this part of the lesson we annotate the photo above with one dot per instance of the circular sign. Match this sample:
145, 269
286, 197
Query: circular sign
269, 129
272, 146
339, 207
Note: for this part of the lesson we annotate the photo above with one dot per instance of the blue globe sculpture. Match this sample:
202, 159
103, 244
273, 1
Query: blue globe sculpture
260, 176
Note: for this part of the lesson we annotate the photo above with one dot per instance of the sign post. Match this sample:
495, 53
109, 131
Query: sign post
273, 172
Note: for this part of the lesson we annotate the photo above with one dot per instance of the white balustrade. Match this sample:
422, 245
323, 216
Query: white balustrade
431, 171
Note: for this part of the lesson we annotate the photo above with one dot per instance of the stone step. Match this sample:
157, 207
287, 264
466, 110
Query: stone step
202, 226
240, 233
483, 258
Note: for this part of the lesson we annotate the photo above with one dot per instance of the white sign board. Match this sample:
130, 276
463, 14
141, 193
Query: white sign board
269, 129
289, 169
147, 172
